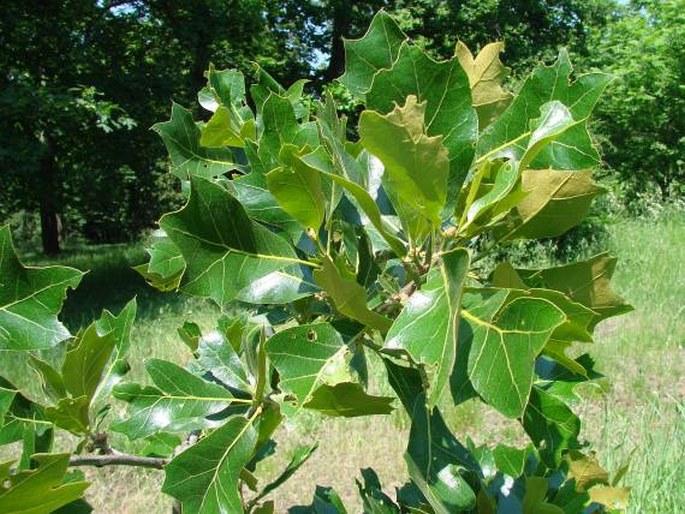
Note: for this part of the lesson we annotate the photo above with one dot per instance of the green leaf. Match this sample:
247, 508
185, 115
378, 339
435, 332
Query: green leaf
371, 491
368, 206
190, 334
39, 490
71, 414
554, 121
120, 326
225, 251
306, 357
427, 327
578, 317
326, 501
486, 74
297, 188
376, 50
555, 202
280, 127
205, 477
534, 501
53, 384
188, 157
85, 363
219, 132
181, 402
444, 87
348, 297
161, 444
587, 282
23, 420
551, 425
436, 460
505, 336
510, 461
300, 456
416, 166
348, 399
30, 299
252, 192
406, 382
574, 149
218, 356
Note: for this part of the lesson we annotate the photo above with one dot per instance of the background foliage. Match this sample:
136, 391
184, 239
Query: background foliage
83, 82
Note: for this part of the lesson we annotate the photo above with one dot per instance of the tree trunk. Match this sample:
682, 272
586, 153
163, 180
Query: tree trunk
342, 20
49, 216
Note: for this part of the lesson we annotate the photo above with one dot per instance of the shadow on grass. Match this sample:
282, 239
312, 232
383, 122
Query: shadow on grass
110, 282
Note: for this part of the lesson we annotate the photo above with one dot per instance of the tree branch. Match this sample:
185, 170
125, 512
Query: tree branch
118, 459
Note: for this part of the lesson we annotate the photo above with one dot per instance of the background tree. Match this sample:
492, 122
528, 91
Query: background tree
642, 117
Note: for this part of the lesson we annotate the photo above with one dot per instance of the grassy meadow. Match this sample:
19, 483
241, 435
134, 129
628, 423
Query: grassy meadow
639, 420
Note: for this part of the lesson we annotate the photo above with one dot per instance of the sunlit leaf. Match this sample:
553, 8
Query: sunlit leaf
30, 299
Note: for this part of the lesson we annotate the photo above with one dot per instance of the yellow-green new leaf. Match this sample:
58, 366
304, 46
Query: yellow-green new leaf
486, 74
30, 299
416, 165
587, 282
555, 202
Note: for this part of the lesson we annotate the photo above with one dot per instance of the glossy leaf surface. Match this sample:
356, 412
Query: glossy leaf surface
205, 477
427, 327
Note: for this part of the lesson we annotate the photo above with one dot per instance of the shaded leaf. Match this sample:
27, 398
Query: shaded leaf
551, 425
348, 296
30, 299
347, 399
535, 499
436, 461
300, 456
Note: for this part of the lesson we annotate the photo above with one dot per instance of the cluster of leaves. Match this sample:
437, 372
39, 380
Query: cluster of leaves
337, 253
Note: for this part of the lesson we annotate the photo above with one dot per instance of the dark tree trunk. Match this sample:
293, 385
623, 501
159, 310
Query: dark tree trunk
49, 215
342, 20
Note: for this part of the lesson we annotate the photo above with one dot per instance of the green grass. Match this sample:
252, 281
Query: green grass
640, 419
